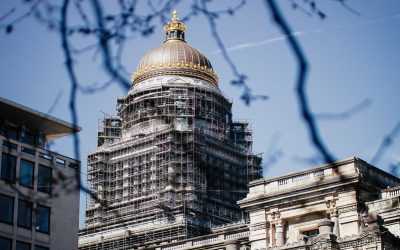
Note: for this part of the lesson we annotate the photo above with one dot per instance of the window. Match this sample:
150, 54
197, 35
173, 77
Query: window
6, 208
26, 173
8, 163
24, 214
42, 219
28, 150
11, 132
5, 244
28, 138
44, 179
41, 248
23, 246
311, 233
10, 145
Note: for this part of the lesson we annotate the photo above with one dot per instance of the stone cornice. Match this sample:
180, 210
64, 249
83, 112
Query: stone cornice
312, 190
322, 167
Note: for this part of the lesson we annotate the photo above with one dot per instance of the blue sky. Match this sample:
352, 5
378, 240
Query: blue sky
354, 59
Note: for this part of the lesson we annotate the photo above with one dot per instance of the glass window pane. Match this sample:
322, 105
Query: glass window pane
6, 208
42, 219
28, 138
23, 246
8, 163
26, 173
24, 214
41, 248
5, 244
11, 132
44, 179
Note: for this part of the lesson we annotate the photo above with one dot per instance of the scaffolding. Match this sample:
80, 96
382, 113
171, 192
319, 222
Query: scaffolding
170, 166
109, 130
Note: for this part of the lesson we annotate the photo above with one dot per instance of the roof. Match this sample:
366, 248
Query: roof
51, 127
174, 57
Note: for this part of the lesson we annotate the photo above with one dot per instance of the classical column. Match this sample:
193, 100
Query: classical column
325, 226
333, 213
335, 220
232, 245
279, 233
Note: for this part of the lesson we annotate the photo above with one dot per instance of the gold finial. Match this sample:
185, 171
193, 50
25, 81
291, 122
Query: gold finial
175, 24
175, 18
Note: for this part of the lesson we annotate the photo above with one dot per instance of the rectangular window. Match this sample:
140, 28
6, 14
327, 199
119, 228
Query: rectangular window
23, 246
28, 150
11, 132
8, 163
41, 248
28, 138
26, 173
24, 218
7, 209
5, 244
42, 219
45, 156
10, 145
44, 179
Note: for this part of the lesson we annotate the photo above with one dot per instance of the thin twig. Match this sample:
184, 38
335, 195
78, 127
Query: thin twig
7, 14
104, 37
385, 144
240, 80
346, 114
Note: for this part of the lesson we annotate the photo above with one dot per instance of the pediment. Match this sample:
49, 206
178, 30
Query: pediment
177, 80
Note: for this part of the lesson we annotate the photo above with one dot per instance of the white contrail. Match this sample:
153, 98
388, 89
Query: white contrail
301, 33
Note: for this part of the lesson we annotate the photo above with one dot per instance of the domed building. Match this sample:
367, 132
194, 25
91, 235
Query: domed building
172, 164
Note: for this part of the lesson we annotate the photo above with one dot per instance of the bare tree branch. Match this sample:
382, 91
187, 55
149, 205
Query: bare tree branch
385, 144
346, 114
55, 102
240, 80
7, 14
74, 87
301, 81
104, 37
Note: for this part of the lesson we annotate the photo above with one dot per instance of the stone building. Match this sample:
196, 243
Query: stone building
173, 163
348, 204
345, 205
39, 197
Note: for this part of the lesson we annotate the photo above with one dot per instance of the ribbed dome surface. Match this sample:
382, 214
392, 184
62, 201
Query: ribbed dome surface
174, 51
174, 57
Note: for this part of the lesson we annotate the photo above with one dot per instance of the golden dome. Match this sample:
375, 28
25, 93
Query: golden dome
174, 57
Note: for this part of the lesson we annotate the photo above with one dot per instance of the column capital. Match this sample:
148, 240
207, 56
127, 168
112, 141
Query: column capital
275, 215
333, 212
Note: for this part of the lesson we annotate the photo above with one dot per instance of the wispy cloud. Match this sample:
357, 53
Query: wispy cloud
302, 33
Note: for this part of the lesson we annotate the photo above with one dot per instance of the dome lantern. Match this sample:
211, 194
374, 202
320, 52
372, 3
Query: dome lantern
175, 29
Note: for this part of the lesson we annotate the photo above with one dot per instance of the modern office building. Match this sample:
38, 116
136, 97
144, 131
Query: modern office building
39, 198
172, 164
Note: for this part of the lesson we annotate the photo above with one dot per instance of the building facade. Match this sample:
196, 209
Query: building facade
39, 196
173, 163
349, 204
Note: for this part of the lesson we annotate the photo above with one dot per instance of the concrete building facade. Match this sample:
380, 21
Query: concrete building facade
39, 196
